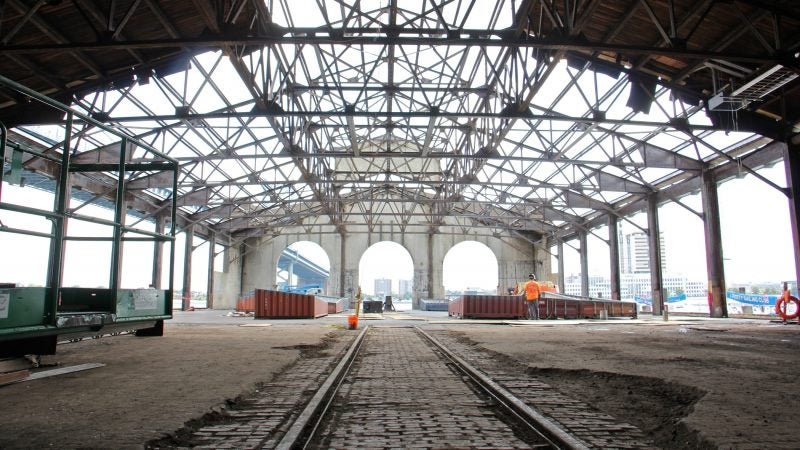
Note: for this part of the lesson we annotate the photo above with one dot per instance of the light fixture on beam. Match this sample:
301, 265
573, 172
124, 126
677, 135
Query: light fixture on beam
755, 89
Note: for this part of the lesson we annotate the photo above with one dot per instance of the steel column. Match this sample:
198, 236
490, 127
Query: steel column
561, 281
613, 251
119, 221
716, 271
187, 269
342, 263
158, 253
55, 269
4, 132
430, 289
583, 236
654, 242
212, 244
792, 164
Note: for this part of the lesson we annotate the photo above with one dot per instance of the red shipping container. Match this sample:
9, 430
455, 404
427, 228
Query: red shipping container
577, 308
336, 307
454, 307
489, 307
287, 305
246, 304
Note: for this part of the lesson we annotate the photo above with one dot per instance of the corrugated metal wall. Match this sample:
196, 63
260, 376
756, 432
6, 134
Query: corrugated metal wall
514, 307
287, 305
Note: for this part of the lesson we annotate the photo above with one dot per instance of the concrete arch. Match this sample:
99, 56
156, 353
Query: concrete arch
470, 260
259, 259
516, 258
305, 264
253, 265
395, 271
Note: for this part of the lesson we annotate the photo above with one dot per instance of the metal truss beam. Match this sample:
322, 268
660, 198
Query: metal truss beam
368, 37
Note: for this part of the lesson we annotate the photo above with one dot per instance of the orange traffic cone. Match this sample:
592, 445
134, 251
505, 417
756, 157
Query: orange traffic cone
352, 321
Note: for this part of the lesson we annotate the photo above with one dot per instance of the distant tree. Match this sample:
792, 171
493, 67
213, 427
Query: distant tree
772, 291
679, 291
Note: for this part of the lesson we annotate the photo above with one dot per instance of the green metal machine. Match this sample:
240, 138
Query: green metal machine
34, 319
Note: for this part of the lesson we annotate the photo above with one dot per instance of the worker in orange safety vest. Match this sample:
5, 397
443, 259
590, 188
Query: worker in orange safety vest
532, 292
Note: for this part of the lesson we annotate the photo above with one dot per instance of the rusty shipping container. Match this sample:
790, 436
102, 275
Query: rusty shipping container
287, 305
488, 307
565, 307
454, 307
246, 303
335, 307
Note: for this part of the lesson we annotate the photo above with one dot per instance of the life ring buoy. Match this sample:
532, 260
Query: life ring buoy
782, 305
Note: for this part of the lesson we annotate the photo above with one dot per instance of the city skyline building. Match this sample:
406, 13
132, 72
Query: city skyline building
635, 284
383, 286
635, 253
404, 288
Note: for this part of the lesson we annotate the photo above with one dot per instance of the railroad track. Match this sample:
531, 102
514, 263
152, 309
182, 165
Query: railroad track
399, 387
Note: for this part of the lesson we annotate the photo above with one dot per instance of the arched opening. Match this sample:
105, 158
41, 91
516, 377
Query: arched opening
303, 267
386, 269
470, 267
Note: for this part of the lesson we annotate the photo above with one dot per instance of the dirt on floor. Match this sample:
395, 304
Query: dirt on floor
693, 384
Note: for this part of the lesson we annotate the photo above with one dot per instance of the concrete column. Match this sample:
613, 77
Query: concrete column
187, 269
654, 242
792, 164
716, 271
158, 253
613, 252
561, 279
212, 240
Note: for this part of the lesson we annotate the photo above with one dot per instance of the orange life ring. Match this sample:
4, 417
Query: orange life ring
782, 304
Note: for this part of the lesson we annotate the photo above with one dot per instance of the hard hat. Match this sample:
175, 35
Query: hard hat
532, 276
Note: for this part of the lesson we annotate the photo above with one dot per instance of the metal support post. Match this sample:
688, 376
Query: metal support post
584, 263
212, 244
173, 230
158, 253
187, 269
792, 164
716, 271
431, 292
561, 281
3, 139
342, 262
119, 221
613, 252
55, 269
654, 242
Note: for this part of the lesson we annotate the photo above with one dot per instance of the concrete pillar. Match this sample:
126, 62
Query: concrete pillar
187, 269
654, 242
561, 279
716, 272
792, 164
212, 244
613, 252
158, 253
584, 264
545, 266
